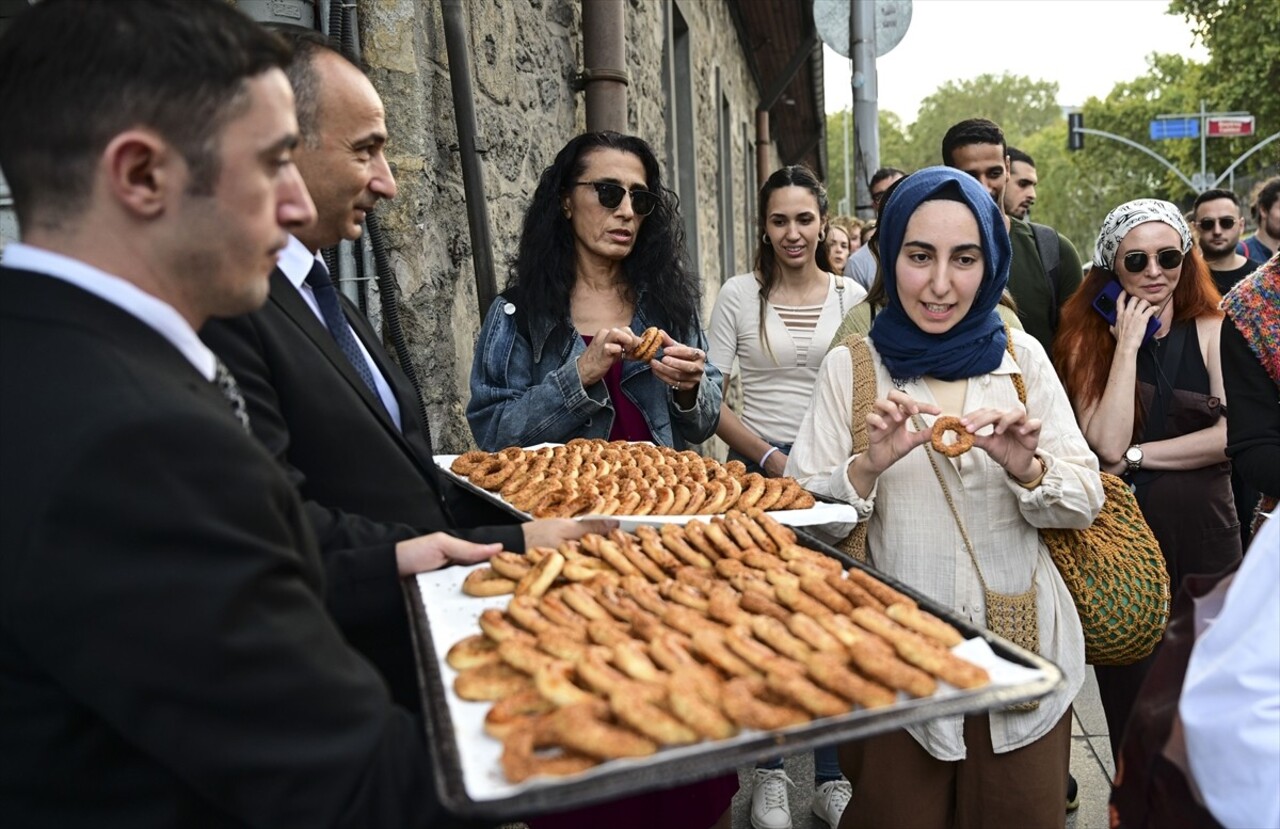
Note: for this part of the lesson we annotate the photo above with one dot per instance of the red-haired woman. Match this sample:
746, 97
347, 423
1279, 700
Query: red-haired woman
1150, 397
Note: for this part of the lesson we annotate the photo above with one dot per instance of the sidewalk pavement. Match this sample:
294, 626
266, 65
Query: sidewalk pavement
1090, 763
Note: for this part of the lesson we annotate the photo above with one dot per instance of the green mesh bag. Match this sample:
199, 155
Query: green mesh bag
1116, 574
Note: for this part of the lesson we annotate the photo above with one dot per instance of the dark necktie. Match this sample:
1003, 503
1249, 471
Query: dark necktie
230, 389
327, 298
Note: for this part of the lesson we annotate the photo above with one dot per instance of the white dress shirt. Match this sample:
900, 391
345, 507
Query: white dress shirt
126, 296
1230, 703
913, 537
295, 263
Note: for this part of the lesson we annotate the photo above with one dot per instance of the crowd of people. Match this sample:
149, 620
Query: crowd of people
222, 476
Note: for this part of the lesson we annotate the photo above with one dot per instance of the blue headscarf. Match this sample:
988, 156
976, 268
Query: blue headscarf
976, 344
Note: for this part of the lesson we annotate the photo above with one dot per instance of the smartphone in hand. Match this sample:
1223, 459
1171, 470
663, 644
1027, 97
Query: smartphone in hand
1105, 304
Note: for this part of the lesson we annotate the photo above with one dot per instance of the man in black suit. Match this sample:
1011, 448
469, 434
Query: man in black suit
345, 423
166, 658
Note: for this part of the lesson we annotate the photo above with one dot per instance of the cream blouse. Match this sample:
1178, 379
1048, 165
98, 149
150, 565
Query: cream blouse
913, 537
776, 387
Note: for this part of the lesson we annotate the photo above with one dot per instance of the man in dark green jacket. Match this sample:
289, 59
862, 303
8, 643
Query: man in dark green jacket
1045, 270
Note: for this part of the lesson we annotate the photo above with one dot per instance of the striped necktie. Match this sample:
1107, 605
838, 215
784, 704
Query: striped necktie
327, 298
226, 383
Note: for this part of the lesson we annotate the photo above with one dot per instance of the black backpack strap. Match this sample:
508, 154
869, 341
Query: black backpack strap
1049, 246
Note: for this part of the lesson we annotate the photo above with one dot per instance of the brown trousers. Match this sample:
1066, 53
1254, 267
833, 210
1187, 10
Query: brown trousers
897, 783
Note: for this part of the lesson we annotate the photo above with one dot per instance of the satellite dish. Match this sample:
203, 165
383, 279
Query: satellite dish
831, 18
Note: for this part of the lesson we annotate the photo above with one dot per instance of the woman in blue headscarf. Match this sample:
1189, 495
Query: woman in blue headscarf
964, 529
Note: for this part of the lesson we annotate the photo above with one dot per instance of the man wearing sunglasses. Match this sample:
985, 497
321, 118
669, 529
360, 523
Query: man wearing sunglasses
1217, 222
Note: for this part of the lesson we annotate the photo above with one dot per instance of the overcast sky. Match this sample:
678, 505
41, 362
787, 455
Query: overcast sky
1087, 46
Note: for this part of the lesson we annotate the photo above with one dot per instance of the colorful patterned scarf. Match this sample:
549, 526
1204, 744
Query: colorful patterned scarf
1254, 306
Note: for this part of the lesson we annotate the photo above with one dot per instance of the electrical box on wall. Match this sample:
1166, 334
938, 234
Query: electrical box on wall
280, 12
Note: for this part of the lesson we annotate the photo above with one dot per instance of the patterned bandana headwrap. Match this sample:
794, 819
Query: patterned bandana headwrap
1128, 216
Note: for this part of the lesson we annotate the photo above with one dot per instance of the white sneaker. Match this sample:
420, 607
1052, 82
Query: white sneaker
769, 806
829, 801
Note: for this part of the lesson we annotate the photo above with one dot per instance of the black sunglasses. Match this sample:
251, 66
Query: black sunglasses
610, 195
1207, 223
1136, 262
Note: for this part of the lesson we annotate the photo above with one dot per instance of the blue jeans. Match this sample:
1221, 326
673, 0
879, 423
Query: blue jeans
826, 765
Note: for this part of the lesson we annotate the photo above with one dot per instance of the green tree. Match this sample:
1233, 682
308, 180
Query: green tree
893, 144
1243, 39
894, 147
1020, 105
1243, 73
1079, 188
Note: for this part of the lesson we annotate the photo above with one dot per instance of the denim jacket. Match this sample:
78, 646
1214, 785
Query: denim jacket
527, 392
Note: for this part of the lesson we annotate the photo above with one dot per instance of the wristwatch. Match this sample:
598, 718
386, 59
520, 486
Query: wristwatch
1133, 458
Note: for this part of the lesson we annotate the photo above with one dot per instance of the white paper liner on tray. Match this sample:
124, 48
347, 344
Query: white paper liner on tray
820, 513
452, 615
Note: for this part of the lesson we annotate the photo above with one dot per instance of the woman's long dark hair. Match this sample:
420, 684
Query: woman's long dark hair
543, 269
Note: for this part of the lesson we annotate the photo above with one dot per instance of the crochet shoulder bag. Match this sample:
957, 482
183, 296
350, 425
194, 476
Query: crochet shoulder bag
1115, 572
864, 395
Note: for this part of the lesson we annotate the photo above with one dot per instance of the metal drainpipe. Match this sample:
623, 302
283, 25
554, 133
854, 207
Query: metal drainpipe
464, 113
604, 76
764, 166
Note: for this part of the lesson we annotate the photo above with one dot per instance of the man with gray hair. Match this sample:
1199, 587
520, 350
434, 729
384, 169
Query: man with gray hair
165, 655
329, 403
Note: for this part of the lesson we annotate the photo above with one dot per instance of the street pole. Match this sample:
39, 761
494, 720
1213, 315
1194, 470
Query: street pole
1204, 136
848, 128
862, 34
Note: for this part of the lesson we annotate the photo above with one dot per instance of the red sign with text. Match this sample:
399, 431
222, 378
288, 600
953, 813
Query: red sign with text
1230, 126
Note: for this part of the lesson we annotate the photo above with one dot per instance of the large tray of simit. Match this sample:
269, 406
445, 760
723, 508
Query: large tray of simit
637, 661
638, 483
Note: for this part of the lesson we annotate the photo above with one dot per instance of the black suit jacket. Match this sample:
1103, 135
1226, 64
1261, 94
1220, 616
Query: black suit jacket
365, 483
165, 654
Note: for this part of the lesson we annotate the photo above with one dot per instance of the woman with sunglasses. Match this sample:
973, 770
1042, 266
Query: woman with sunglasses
601, 259
965, 531
1152, 405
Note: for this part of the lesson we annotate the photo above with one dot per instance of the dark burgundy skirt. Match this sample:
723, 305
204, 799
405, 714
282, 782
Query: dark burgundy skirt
696, 806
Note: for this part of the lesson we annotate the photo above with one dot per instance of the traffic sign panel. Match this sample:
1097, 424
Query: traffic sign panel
1163, 128
1230, 126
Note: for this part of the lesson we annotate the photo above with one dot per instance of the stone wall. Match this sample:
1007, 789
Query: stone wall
524, 56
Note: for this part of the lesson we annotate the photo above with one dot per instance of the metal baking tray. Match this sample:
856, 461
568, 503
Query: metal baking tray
825, 511
472, 786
